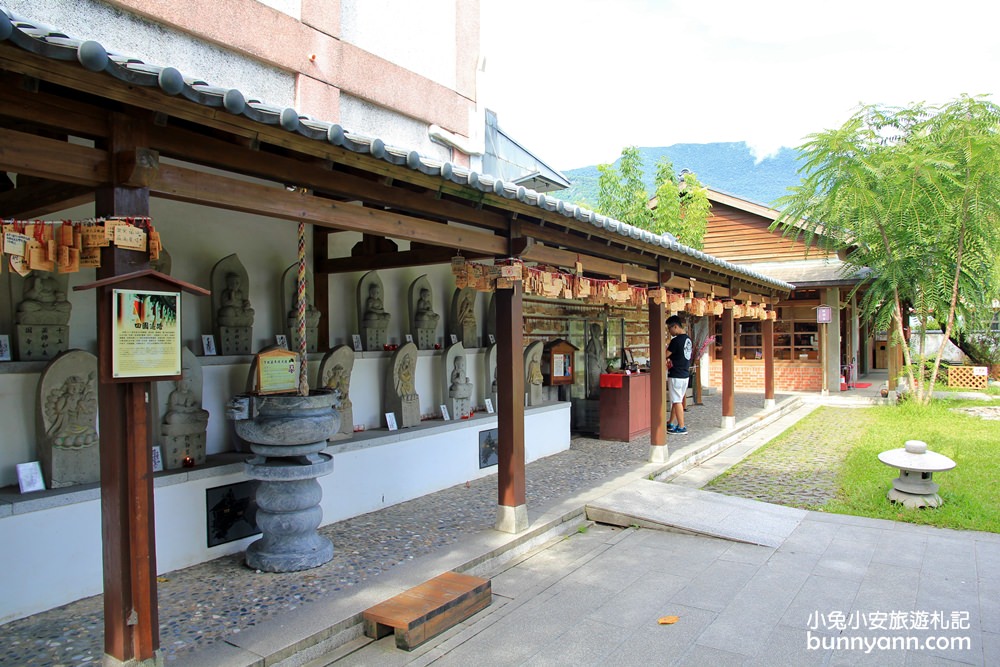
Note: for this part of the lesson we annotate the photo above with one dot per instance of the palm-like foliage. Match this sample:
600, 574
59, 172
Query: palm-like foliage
914, 195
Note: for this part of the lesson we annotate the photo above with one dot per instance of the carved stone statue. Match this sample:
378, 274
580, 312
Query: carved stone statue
463, 317
289, 296
458, 388
595, 360
372, 318
400, 392
185, 422
490, 359
335, 373
533, 373
42, 317
234, 315
423, 319
67, 420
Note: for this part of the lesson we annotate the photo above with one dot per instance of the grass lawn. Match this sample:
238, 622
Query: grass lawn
971, 491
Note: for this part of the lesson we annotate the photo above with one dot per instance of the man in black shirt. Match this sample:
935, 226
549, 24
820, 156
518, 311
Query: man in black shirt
679, 365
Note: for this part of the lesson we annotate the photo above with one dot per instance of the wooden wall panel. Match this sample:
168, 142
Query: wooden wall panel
740, 236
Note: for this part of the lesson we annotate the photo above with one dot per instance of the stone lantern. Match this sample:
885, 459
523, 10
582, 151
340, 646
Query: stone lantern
915, 486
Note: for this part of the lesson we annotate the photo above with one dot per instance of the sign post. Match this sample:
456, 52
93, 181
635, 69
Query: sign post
824, 315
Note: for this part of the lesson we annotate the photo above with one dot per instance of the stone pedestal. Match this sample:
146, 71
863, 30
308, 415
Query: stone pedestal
374, 338
288, 434
40, 342
312, 338
425, 338
409, 413
235, 340
468, 335
178, 446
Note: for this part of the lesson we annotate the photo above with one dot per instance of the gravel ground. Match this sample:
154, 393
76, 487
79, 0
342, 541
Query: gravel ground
801, 469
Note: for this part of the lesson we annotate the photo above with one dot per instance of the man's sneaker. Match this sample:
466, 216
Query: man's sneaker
680, 431
671, 427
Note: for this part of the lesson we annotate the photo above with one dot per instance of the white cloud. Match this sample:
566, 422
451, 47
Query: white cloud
575, 81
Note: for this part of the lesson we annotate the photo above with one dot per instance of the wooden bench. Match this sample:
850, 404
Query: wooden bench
429, 609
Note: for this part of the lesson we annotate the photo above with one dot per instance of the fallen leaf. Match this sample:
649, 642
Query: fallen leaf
162, 580
668, 620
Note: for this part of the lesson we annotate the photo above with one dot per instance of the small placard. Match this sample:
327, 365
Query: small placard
29, 477
15, 244
356, 339
824, 314
281, 340
409, 338
157, 458
454, 339
444, 413
130, 238
492, 338
4, 347
980, 371
390, 421
277, 372
208, 345
109, 228
93, 236
489, 406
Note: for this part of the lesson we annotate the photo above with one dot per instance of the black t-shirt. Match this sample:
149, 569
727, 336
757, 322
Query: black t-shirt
680, 356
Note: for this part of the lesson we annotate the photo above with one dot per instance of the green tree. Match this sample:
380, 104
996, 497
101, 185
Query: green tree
913, 194
682, 205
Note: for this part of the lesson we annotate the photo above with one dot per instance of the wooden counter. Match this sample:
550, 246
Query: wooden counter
625, 410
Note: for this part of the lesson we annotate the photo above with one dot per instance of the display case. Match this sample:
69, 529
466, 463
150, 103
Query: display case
559, 362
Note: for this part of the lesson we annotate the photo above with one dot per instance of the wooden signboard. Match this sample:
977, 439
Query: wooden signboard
146, 340
277, 372
558, 365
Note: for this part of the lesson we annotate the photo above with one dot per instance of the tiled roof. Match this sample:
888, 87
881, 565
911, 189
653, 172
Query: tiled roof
49, 42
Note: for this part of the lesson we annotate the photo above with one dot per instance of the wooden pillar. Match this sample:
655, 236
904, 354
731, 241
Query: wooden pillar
728, 370
321, 286
512, 509
657, 383
832, 342
131, 619
768, 335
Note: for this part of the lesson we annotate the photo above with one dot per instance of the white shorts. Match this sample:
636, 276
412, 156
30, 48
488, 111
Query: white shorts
678, 387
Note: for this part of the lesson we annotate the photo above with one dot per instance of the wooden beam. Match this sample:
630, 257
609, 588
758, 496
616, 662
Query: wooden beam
728, 365
658, 380
567, 259
510, 396
131, 625
195, 147
52, 111
392, 260
767, 333
52, 159
321, 286
41, 197
183, 184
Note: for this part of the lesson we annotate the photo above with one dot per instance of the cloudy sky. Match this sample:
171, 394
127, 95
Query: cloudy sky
576, 80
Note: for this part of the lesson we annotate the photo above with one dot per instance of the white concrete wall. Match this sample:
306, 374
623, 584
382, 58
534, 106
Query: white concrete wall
57, 558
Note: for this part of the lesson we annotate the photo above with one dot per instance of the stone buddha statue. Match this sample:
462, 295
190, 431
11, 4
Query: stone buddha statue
43, 303
235, 309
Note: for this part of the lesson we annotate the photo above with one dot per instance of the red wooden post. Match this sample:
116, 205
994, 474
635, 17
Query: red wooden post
768, 334
512, 513
728, 370
657, 383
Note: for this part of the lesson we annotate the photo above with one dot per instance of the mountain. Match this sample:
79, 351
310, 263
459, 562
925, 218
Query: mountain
729, 167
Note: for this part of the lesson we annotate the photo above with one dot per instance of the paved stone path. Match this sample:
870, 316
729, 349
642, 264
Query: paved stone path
202, 604
800, 468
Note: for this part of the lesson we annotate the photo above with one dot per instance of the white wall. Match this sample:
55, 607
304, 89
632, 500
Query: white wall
58, 554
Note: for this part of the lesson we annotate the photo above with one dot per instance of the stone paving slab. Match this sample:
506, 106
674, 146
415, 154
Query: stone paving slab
653, 504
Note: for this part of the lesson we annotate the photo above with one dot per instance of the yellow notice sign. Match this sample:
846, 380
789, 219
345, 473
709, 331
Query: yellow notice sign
147, 334
277, 372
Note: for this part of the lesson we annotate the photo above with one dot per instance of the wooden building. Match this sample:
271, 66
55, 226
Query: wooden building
117, 136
